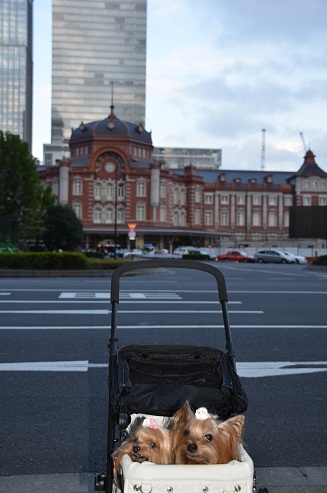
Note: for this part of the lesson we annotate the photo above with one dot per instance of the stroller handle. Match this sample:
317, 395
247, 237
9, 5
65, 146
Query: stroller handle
173, 263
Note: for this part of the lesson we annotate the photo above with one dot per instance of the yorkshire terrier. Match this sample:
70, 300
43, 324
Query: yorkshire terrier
146, 441
202, 439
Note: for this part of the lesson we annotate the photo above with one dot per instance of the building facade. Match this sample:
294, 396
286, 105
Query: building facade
116, 187
179, 157
95, 44
16, 68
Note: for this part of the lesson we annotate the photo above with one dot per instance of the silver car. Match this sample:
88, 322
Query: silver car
273, 256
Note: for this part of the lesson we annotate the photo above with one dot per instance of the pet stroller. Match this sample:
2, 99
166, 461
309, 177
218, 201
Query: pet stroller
156, 380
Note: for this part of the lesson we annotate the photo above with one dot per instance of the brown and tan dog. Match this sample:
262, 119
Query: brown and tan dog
202, 439
147, 441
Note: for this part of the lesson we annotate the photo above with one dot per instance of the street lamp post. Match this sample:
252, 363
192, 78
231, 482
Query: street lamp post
115, 218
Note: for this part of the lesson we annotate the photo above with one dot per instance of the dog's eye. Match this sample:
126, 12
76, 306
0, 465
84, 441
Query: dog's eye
186, 433
208, 437
152, 444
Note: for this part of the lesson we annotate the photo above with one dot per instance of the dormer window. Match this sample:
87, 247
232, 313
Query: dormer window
237, 180
252, 180
222, 178
269, 179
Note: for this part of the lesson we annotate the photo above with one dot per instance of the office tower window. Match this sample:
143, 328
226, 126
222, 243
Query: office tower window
16, 68
95, 44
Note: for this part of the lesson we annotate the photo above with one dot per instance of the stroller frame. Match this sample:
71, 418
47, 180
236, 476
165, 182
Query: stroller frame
116, 419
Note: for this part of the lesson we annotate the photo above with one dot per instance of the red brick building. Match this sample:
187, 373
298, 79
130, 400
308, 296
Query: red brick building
112, 181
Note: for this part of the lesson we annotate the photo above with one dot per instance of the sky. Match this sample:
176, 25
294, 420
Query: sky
218, 74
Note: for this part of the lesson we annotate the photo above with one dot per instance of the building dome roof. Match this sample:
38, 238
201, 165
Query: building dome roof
111, 127
310, 167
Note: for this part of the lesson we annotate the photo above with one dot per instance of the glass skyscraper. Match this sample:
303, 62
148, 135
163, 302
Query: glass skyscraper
16, 68
94, 44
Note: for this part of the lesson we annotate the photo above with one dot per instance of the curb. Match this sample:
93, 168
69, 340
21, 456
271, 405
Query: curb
316, 267
269, 479
56, 273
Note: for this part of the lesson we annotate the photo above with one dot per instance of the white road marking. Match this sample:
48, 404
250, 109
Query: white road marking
154, 327
106, 312
57, 312
155, 302
244, 369
243, 291
46, 366
123, 295
279, 368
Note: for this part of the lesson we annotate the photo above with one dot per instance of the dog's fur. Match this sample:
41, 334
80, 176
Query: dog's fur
144, 443
182, 439
205, 441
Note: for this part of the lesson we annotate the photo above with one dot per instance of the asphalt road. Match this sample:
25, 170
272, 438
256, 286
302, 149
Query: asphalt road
53, 376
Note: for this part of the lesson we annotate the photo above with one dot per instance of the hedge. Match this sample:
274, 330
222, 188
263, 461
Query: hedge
55, 261
43, 261
322, 260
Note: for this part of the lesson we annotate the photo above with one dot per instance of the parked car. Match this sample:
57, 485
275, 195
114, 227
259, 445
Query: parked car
273, 256
197, 255
133, 253
183, 250
299, 259
235, 256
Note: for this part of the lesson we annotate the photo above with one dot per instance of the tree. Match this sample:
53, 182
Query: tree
63, 229
33, 227
22, 196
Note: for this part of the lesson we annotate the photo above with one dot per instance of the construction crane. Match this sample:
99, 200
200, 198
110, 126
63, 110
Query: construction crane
263, 149
303, 143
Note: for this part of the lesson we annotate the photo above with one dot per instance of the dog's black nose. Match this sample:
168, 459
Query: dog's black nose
192, 447
136, 449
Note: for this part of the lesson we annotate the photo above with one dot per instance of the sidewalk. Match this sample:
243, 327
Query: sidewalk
275, 479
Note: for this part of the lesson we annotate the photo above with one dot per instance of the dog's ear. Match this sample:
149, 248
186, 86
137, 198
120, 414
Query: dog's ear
237, 422
181, 417
135, 425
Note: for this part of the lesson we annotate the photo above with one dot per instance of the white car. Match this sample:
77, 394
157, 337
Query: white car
133, 253
298, 259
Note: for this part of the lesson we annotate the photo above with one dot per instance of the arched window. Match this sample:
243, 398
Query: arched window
121, 215
182, 219
163, 190
183, 196
175, 218
208, 218
121, 191
224, 218
77, 207
272, 219
55, 187
97, 214
77, 186
176, 196
109, 191
163, 213
97, 190
240, 218
197, 216
109, 215
141, 188
140, 211
256, 218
